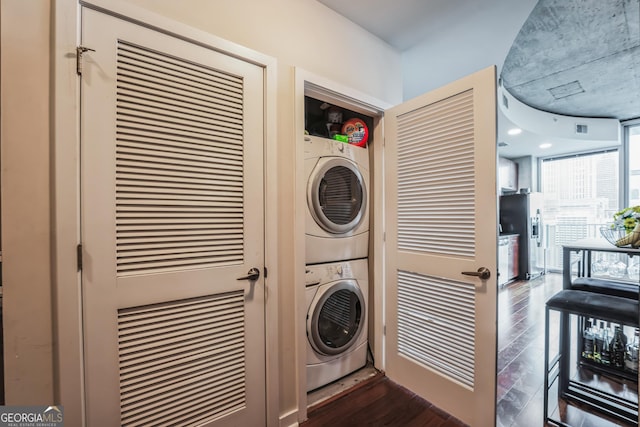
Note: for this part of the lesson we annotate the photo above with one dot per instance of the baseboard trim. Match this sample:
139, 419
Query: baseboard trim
289, 419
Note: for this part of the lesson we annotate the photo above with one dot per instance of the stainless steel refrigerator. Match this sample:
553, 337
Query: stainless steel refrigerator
522, 213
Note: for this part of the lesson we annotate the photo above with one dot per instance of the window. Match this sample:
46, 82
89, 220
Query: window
580, 195
633, 150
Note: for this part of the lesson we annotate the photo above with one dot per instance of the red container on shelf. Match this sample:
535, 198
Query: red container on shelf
357, 132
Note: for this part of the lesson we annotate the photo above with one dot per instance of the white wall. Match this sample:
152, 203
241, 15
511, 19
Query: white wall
25, 168
469, 37
301, 33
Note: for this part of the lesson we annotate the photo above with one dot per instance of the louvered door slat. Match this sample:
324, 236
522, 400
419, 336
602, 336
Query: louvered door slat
135, 336
182, 390
165, 169
143, 419
128, 186
191, 229
218, 213
158, 93
127, 124
225, 111
450, 157
161, 387
187, 220
141, 74
224, 146
179, 68
137, 386
146, 101
169, 241
168, 119
161, 319
151, 157
147, 181
173, 147
436, 324
192, 257
196, 157
160, 364
203, 167
152, 352
146, 246
420, 168
133, 363
186, 417
438, 133
441, 114
207, 346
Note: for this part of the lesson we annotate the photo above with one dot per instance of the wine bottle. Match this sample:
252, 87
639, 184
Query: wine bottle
631, 355
605, 352
597, 341
617, 348
587, 341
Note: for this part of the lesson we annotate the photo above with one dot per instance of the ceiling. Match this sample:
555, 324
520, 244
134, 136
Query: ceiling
578, 58
571, 57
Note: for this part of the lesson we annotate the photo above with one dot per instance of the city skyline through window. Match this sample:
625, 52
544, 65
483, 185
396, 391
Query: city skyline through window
580, 195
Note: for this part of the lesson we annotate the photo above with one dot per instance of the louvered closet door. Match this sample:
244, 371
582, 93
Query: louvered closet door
172, 215
441, 220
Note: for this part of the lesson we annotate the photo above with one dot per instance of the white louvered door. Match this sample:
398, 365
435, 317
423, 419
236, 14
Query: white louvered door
441, 221
172, 214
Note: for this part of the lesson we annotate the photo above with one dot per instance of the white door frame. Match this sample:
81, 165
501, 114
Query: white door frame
67, 329
308, 83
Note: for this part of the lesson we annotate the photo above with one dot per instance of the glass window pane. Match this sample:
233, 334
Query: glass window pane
580, 195
634, 165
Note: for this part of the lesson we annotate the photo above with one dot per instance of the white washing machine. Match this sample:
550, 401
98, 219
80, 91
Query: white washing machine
337, 304
337, 217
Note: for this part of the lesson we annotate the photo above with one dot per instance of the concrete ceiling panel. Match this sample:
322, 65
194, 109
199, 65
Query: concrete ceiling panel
585, 52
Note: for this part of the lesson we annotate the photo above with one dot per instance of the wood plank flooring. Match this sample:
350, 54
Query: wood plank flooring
380, 402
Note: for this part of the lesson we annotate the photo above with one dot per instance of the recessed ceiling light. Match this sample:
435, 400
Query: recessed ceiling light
514, 131
545, 145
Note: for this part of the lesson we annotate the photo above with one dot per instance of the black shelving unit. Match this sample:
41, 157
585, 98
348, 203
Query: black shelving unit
577, 259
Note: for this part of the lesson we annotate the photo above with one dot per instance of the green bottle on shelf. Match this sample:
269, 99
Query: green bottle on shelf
618, 348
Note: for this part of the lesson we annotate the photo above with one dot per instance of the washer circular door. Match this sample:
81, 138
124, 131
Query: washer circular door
337, 195
336, 318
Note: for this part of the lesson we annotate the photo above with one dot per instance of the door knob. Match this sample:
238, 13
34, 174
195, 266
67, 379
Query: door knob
483, 273
253, 275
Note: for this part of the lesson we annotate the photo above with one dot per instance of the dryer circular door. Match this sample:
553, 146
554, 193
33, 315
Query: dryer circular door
337, 195
336, 317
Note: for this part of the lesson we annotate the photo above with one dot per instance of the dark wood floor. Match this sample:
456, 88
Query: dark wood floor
380, 402
521, 350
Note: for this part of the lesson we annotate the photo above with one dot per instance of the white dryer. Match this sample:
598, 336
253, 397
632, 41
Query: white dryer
337, 214
337, 304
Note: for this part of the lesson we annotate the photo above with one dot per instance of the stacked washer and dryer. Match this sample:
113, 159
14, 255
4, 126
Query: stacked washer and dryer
337, 242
